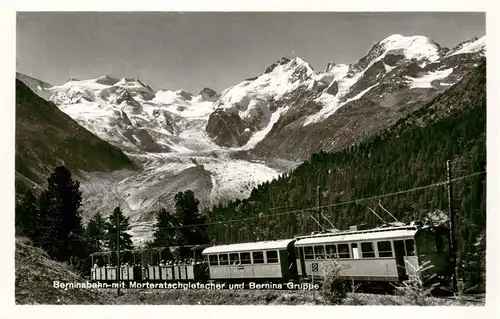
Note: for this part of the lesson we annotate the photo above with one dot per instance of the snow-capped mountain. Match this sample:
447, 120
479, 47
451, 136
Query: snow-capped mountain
293, 116
221, 145
129, 114
164, 133
251, 106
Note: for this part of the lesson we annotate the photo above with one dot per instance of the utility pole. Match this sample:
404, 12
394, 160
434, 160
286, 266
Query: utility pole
452, 237
118, 268
318, 205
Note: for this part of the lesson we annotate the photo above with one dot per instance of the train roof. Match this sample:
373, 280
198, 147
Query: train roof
261, 245
148, 249
373, 234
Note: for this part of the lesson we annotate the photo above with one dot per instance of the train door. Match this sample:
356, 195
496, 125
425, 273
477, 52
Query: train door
411, 260
292, 260
236, 269
301, 265
399, 250
355, 251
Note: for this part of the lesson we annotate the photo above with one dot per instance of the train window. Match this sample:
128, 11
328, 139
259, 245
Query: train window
367, 250
343, 250
399, 248
319, 252
214, 261
308, 253
439, 244
258, 257
410, 247
297, 252
234, 259
223, 260
384, 249
442, 242
245, 258
331, 251
426, 243
272, 256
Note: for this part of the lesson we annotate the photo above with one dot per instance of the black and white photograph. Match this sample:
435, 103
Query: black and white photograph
268, 158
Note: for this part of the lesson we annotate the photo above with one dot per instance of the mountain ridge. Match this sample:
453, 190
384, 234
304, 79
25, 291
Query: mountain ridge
257, 129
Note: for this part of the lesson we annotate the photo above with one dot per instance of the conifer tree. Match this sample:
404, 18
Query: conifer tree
110, 229
27, 216
187, 213
61, 227
166, 234
95, 234
49, 220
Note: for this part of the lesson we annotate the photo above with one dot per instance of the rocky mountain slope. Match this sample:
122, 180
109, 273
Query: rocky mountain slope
38, 87
221, 145
46, 137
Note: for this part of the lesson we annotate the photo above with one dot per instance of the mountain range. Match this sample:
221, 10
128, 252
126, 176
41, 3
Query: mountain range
223, 144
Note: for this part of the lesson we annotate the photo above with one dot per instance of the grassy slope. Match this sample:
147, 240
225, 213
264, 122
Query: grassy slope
35, 274
46, 137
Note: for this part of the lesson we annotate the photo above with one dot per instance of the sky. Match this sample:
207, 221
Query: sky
193, 50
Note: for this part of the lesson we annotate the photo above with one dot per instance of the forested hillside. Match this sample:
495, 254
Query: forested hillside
412, 154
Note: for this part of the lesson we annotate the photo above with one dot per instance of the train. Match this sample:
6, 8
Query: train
382, 255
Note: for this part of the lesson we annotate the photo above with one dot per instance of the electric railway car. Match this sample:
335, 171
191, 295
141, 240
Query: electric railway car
267, 260
182, 272
386, 254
